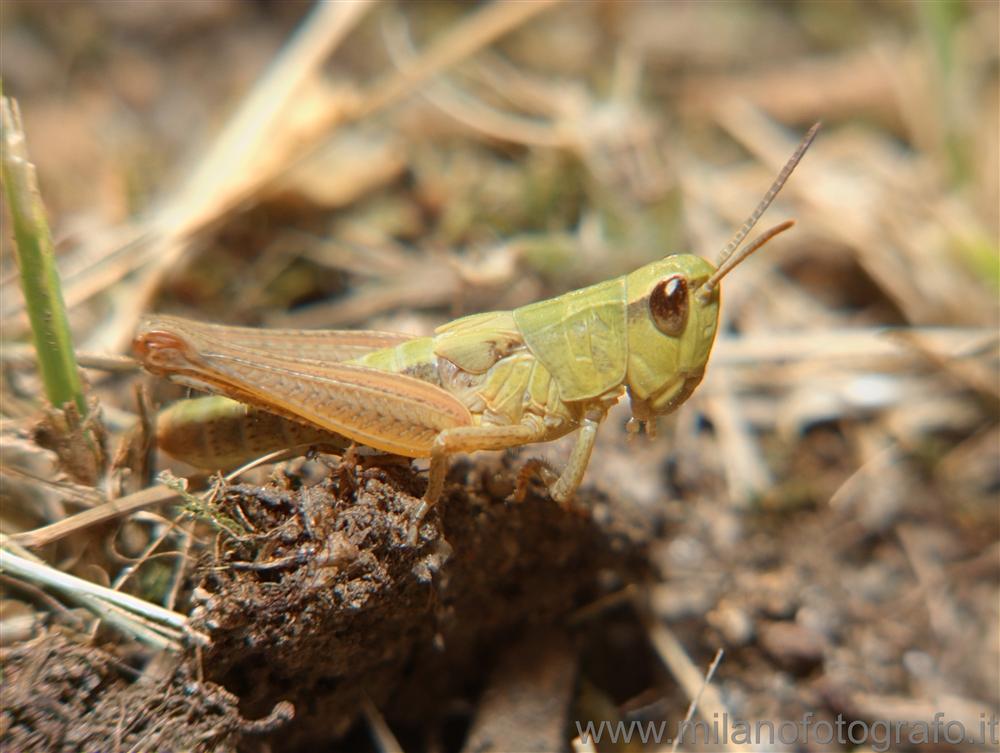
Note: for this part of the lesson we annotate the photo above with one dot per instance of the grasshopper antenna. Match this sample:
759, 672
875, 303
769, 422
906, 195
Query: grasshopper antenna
742, 233
734, 260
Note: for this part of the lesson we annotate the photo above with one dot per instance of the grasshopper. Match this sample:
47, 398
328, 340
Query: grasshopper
488, 381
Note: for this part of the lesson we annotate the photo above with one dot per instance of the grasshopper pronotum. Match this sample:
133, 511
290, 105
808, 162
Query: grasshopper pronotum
486, 381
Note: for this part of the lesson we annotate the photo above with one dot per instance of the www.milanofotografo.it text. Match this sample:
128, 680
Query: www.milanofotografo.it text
879, 735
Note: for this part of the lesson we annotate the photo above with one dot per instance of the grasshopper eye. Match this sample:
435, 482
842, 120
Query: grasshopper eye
668, 304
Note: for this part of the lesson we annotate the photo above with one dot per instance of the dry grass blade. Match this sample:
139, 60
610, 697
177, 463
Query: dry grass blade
23, 356
110, 510
462, 39
453, 101
232, 168
710, 705
232, 161
238, 164
693, 706
96, 597
382, 736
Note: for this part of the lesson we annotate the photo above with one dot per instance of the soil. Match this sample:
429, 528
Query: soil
342, 606
62, 696
321, 604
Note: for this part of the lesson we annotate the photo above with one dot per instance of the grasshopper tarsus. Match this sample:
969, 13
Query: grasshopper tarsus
533, 468
416, 520
542, 471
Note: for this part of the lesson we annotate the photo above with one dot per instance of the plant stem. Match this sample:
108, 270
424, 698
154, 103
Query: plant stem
36, 261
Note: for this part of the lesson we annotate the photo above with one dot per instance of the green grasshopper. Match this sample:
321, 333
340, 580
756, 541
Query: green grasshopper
487, 381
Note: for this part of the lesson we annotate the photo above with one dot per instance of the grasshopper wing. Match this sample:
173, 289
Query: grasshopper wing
319, 345
390, 412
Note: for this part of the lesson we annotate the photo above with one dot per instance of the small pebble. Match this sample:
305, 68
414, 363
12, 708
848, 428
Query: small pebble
734, 624
795, 647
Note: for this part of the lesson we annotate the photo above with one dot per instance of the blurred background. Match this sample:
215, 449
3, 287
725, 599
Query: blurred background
824, 508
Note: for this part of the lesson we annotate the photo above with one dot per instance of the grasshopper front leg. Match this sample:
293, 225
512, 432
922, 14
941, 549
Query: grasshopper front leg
562, 487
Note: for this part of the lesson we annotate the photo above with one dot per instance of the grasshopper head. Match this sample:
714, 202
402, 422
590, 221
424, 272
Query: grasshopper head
671, 328
673, 313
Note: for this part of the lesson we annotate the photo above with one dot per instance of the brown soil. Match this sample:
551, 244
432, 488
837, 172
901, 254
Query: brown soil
327, 601
61, 696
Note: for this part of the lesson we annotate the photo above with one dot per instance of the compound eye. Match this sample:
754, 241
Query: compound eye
668, 305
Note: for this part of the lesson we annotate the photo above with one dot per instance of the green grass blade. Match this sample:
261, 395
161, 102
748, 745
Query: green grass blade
36, 261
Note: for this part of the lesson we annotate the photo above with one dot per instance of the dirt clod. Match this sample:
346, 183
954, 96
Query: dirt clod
325, 600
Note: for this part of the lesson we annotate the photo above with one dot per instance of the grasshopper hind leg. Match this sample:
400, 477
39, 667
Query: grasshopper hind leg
562, 487
467, 439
